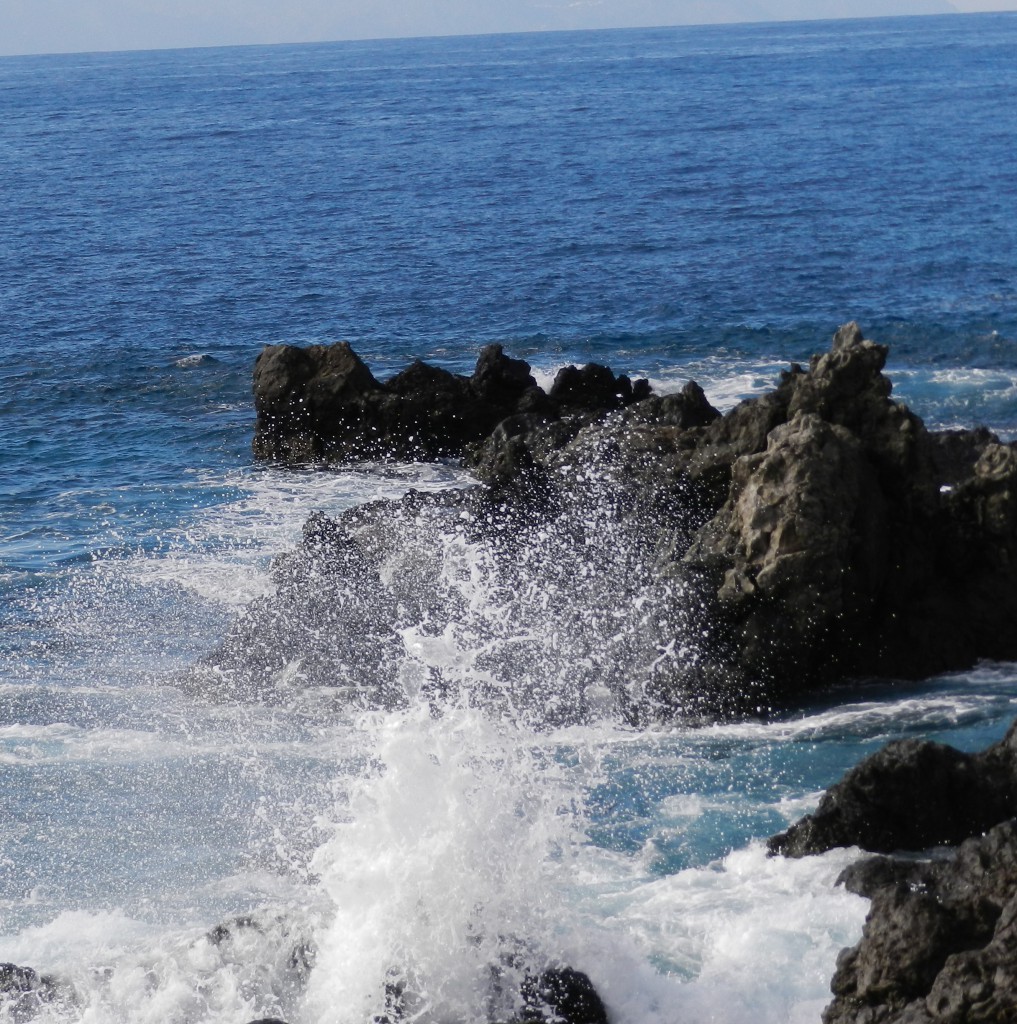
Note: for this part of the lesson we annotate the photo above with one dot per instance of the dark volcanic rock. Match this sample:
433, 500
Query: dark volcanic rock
811, 534
330, 622
940, 938
851, 540
562, 994
24, 993
939, 942
322, 405
911, 795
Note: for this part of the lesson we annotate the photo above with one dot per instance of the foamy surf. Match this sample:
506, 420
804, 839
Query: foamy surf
454, 860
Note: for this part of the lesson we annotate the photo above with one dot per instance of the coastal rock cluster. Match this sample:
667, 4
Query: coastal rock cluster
940, 942
322, 403
24, 993
275, 959
816, 532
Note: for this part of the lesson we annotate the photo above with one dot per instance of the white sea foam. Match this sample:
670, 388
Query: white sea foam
747, 940
872, 718
971, 377
64, 744
193, 360
454, 865
725, 385
442, 856
449, 861
221, 554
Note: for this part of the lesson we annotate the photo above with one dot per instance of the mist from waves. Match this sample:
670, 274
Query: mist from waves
443, 856
423, 859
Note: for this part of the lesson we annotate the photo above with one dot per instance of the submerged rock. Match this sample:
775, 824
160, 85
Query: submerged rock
562, 994
24, 993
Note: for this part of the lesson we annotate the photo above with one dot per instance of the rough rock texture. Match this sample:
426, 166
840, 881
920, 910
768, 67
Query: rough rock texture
323, 405
24, 993
853, 541
911, 795
562, 994
940, 940
814, 533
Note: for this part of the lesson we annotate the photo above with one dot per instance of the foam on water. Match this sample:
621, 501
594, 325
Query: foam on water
870, 720
221, 555
726, 382
453, 865
419, 854
431, 857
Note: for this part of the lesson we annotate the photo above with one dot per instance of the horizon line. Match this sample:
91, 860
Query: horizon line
486, 35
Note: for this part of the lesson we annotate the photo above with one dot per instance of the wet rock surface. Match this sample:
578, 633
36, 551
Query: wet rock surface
814, 533
911, 795
940, 938
24, 993
273, 960
322, 404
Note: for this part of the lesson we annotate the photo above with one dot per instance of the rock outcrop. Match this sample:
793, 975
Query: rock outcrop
323, 405
940, 940
24, 993
814, 533
911, 795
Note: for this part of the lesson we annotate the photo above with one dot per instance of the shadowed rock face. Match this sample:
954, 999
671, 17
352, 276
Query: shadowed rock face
840, 548
323, 405
25, 994
814, 533
911, 795
940, 940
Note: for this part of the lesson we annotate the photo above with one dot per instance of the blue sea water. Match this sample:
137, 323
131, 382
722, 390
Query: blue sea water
707, 203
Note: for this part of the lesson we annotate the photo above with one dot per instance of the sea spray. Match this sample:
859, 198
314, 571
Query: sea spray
449, 873
428, 859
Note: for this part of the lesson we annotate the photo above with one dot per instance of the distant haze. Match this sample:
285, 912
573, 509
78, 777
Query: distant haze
50, 26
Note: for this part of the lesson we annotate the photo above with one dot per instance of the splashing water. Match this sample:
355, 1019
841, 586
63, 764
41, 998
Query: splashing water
449, 877
320, 863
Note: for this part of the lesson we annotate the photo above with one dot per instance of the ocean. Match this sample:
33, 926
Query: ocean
705, 203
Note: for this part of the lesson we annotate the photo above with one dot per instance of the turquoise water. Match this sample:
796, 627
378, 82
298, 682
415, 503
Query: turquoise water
706, 203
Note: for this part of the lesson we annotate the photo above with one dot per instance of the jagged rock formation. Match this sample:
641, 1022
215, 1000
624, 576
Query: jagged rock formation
940, 939
911, 795
323, 405
814, 533
24, 993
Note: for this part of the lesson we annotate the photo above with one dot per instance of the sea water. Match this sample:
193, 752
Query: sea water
703, 203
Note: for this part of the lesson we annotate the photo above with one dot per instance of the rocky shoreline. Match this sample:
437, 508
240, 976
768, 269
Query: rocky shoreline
816, 533
523, 988
940, 940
